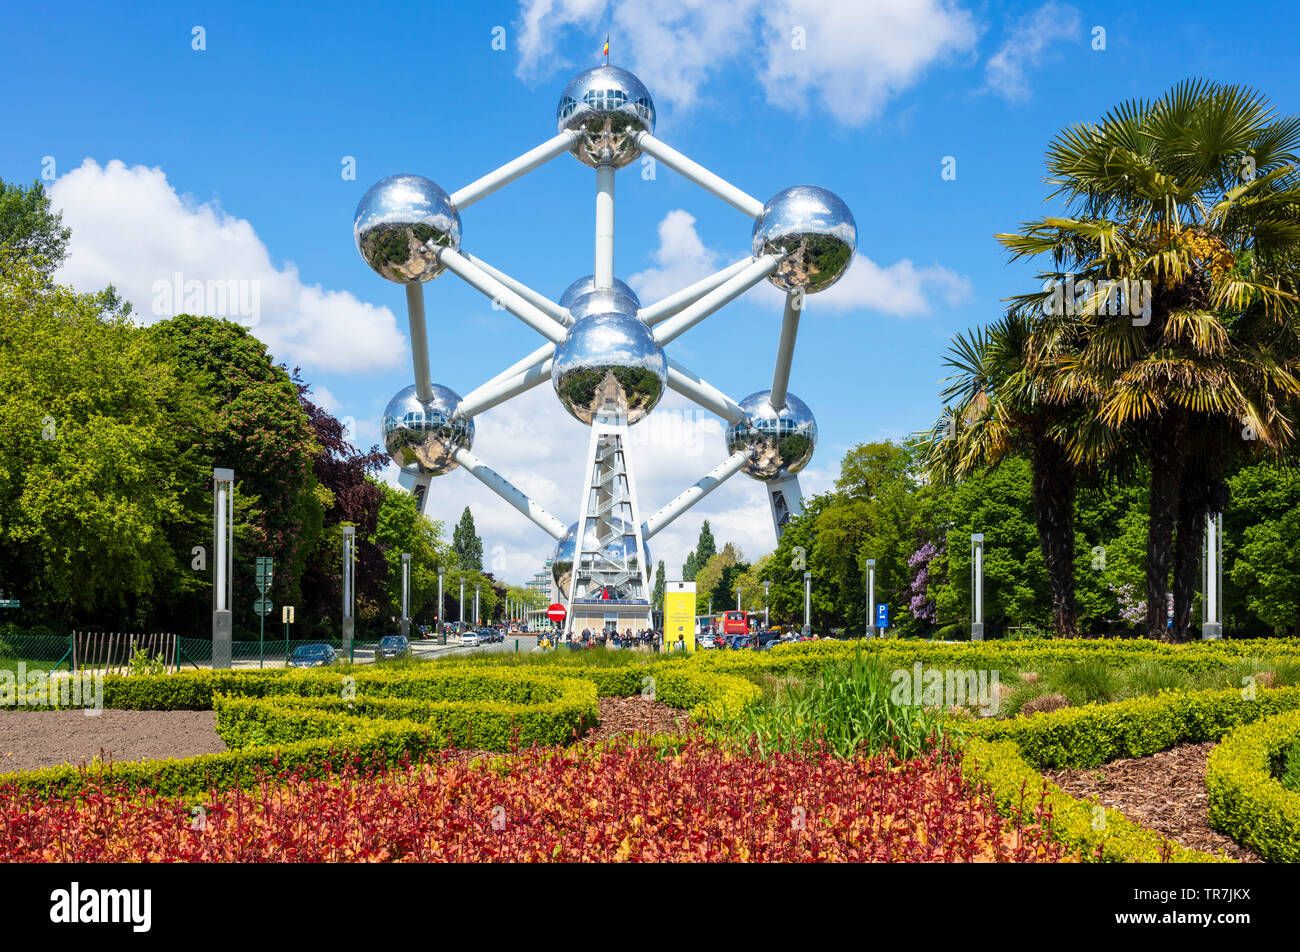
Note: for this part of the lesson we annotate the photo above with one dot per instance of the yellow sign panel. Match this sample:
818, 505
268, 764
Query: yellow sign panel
679, 616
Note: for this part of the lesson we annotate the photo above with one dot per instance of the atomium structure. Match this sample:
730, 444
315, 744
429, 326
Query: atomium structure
604, 353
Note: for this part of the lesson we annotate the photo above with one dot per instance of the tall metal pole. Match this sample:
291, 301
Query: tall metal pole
1212, 622
349, 595
807, 603
406, 594
604, 270
462, 603
223, 538
977, 586
442, 619
871, 630
478, 617
767, 622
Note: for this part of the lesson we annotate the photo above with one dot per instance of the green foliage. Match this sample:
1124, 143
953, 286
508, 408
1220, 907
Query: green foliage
850, 707
466, 544
29, 230
1263, 524
142, 663
1290, 776
1246, 800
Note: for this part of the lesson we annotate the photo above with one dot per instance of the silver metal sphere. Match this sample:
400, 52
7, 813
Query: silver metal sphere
781, 442
609, 364
604, 302
586, 285
400, 225
607, 107
815, 233
422, 437
616, 551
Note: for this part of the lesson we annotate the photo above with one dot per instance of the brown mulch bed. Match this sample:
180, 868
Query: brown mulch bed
31, 739
1164, 792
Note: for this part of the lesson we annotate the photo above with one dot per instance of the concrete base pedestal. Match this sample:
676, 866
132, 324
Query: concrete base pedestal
1211, 632
977, 632
223, 629
349, 629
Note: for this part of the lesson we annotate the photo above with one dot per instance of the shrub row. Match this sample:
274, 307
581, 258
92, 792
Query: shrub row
1093, 735
1098, 834
1246, 800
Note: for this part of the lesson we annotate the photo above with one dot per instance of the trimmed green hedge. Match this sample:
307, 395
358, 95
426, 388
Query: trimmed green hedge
1246, 800
1093, 735
1098, 834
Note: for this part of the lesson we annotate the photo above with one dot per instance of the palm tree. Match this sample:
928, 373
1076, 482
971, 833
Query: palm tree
1191, 202
996, 409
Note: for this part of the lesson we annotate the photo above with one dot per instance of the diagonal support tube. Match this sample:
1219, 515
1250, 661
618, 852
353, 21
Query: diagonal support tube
785, 349
419, 340
711, 183
507, 491
479, 279
703, 393
481, 188
720, 296
693, 494
536, 299
665, 308
500, 389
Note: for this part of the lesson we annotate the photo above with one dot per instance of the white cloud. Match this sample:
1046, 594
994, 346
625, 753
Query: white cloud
1025, 46
843, 57
901, 289
132, 230
681, 259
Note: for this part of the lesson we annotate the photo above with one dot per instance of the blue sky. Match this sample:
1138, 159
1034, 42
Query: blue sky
227, 162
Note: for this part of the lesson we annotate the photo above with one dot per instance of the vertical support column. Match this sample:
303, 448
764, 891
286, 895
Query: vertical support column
349, 595
604, 270
223, 546
977, 586
419, 340
478, 615
786, 500
462, 604
406, 594
767, 621
870, 629
1212, 620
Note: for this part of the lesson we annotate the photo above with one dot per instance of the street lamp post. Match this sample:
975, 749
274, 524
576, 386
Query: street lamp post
462, 604
478, 617
223, 537
406, 594
977, 586
807, 603
1212, 621
349, 595
871, 598
767, 622
442, 622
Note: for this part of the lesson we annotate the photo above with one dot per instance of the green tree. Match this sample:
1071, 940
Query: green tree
30, 230
466, 543
400, 528
1262, 545
661, 585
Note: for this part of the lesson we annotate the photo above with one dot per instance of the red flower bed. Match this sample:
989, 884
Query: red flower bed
628, 802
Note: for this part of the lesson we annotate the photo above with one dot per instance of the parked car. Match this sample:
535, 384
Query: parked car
312, 656
470, 639
392, 646
489, 635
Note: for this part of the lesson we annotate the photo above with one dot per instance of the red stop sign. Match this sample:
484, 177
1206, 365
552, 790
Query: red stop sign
556, 612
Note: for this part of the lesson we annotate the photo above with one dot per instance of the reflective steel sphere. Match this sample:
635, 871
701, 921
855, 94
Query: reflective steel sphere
609, 364
585, 285
815, 233
607, 107
603, 302
616, 551
400, 225
781, 442
421, 437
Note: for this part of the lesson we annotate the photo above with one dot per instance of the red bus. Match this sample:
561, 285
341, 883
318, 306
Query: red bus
735, 623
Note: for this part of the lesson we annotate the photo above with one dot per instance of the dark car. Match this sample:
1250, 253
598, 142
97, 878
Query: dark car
489, 635
392, 646
312, 656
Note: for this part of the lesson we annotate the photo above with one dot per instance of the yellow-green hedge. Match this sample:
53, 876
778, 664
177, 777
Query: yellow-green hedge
1097, 834
1246, 800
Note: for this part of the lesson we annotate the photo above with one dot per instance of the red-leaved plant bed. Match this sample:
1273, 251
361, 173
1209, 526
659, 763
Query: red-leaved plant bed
626, 802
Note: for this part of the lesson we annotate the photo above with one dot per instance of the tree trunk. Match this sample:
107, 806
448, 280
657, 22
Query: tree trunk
1054, 485
1188, 540
1166, 470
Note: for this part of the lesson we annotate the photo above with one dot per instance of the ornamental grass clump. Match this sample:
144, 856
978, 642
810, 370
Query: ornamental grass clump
850, 708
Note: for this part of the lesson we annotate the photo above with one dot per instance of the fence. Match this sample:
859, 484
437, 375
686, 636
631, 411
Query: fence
112, 651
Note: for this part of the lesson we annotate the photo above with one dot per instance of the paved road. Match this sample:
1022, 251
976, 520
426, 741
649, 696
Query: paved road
430, 649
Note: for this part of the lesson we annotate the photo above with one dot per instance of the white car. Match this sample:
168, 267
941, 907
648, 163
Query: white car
470, 639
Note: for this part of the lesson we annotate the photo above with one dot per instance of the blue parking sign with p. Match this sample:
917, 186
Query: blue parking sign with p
882, 616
